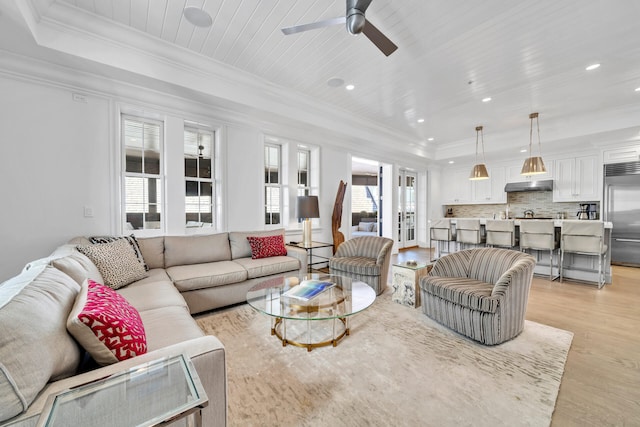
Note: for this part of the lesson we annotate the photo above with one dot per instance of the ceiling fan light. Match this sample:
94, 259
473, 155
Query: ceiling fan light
533, 166
355, 22
479, 172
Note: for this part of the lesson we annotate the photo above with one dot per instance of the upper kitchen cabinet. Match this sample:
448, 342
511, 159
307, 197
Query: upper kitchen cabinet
513, 173
456, 187
490, 190
629, 153
576, 179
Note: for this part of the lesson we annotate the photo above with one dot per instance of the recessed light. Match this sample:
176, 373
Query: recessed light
430, 139
592, 67
487, 99
524, 150
335, 82
638, 89
349, 87
197, 16
420, 120
451, 162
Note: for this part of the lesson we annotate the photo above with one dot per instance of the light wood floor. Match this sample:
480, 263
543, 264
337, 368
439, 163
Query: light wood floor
601, 382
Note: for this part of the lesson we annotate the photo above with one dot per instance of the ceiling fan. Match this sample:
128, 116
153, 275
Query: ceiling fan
356, 24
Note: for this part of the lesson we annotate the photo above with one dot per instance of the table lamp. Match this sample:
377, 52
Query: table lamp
307, 207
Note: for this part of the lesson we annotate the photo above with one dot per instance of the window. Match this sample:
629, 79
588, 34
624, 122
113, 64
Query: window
304, 160
272, 184
142, 141
199, 177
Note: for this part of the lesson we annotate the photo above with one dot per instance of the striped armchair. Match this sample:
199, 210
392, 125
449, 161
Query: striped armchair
365, 258
480, 293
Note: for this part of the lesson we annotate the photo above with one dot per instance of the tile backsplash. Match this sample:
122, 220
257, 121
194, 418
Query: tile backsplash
540, 202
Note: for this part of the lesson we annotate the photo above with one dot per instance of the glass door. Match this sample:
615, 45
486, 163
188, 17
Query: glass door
407, 209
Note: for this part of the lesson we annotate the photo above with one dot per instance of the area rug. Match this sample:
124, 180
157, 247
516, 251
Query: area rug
397, 368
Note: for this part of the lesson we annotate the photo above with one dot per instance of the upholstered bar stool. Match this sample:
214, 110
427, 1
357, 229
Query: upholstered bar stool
500, 233
468, 232
584, 238
441, 232
539, 235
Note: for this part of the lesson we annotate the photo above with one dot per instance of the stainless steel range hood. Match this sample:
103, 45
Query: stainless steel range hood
546, 185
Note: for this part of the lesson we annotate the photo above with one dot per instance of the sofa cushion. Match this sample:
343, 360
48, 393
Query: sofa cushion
198, 276
470, 293
116, 261
148, 294
34, 344
240, 247
152, 249
188, 250
78, 266
130, 239
267, 246
362, 266
267, 266
169, 325
106, 325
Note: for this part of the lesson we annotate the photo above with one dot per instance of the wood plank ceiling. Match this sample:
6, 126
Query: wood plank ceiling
526, 56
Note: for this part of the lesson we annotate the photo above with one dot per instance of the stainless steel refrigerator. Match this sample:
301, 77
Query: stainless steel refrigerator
622, 208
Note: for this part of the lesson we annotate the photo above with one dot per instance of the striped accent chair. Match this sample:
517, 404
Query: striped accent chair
480, 293
366, 259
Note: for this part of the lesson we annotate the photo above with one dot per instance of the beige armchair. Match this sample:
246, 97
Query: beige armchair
480, 293
364, 258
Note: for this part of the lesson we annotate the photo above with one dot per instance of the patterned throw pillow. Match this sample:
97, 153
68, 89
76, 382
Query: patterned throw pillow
106, 325
132, 241
267, 246
116, 261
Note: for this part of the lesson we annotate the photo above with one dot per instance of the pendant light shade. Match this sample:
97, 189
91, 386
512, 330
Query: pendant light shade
479, 170
533, 165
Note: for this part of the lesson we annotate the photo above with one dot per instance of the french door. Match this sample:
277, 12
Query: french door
407, 209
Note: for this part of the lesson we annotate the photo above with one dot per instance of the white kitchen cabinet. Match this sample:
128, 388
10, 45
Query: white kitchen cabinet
513, 172
490, 190
456, 187
576, 179
623, 154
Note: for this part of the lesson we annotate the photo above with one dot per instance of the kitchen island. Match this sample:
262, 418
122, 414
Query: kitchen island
576, 266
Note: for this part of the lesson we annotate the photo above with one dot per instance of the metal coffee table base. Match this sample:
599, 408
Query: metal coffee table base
279, 329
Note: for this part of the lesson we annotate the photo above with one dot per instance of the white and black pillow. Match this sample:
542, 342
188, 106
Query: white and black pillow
132, 241
116, 262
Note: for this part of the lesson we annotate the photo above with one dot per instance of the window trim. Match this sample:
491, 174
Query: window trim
142, 118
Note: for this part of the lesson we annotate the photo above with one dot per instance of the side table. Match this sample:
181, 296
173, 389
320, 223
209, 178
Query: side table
309, 248
151, 394
406, 282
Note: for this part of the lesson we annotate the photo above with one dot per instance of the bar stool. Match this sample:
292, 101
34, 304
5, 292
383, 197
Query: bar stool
468, 231
439, 232
539, 235
500, 233
584, 238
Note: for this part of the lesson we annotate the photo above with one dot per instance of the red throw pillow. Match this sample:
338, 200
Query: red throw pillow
268, 246
106, 325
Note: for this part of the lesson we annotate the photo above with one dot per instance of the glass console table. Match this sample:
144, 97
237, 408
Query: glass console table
151, 394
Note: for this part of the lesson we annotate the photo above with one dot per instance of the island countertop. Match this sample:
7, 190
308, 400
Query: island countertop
517, 222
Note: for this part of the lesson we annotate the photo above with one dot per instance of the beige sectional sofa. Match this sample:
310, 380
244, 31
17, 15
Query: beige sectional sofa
187, 274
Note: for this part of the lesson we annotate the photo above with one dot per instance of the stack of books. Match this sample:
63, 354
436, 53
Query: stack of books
307, 289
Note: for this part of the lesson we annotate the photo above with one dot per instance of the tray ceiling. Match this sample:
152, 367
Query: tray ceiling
525, 56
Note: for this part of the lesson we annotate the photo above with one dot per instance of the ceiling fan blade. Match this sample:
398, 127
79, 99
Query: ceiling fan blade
380, 40
314, 25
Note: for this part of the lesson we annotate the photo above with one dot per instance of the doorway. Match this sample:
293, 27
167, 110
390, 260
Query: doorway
365, 198
407, 182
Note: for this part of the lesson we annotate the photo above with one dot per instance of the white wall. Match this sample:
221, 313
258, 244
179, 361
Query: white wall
54, 161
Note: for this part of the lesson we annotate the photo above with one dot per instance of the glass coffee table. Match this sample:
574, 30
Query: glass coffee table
322, 320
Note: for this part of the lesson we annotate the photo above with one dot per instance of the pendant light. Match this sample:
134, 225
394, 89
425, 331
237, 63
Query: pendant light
533, 165
479, 170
